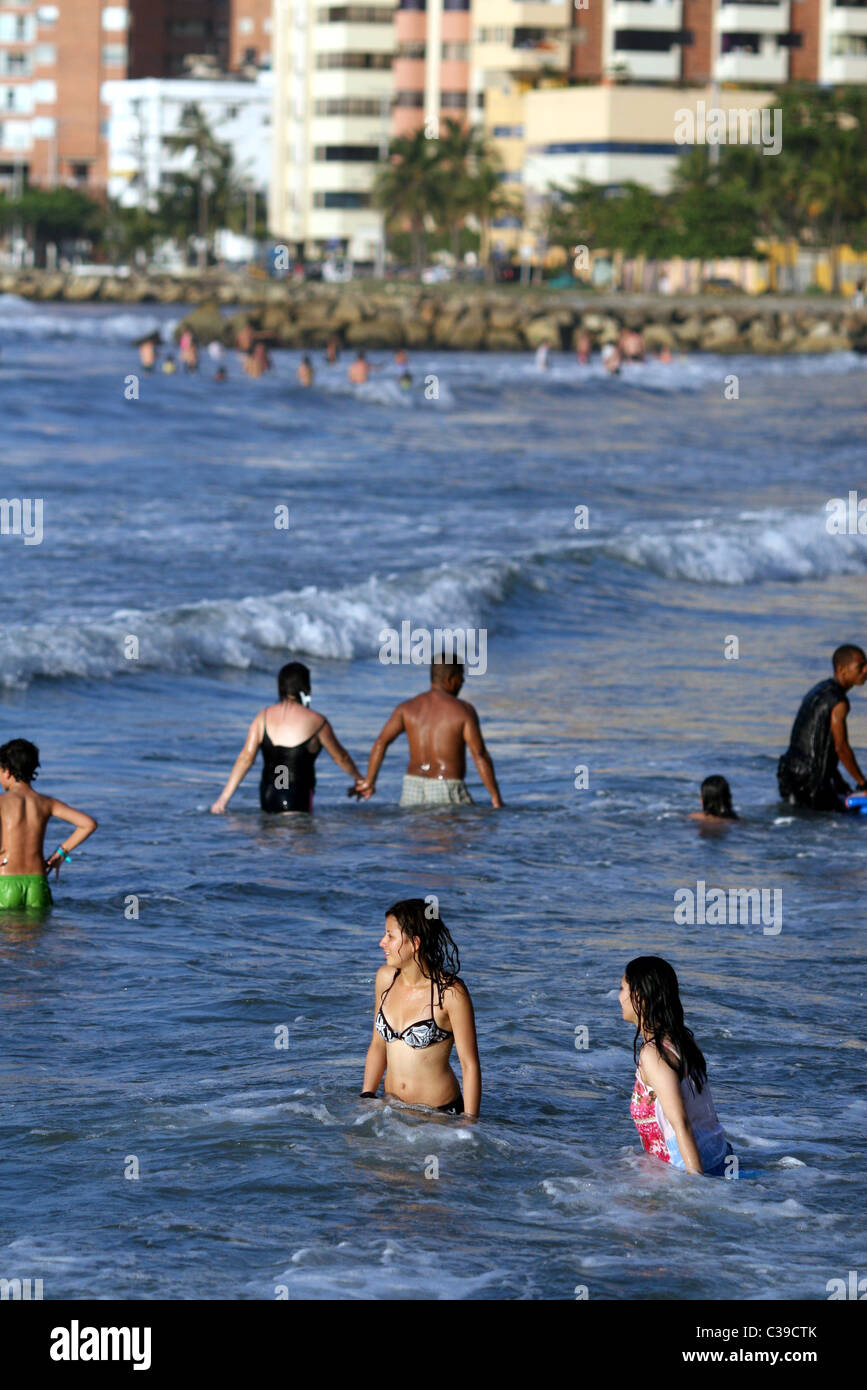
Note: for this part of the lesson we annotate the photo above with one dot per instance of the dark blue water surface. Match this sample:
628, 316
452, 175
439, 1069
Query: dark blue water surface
153, 1038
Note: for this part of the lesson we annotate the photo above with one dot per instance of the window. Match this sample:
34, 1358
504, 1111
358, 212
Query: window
353, 60
115, 19
17, 28
231, 113
456, 52
411, 50
245, 25
347, 154
508, 132
48, 14
80, 172
453, 101
114, 55
14, 64
409, 99
45, 93
45, 55
189, 29
341, 200
355, 14
347, 106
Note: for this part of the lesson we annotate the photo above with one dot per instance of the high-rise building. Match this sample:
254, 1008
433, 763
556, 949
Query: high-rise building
54, 60
250, 34
332, 103
431, 64
744, 42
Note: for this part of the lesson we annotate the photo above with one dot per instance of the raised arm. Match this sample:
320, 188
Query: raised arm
391, 730
85, 826
663, 1079
842, 746
243, 763
481, 756
375, 1061
463, 1024
334, 748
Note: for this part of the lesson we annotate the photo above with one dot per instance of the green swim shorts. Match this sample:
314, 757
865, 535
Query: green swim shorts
434, 791
24, 890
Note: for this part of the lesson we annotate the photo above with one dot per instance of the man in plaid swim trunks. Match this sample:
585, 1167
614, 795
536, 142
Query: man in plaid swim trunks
440, 728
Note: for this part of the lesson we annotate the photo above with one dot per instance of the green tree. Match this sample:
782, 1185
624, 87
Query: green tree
410, 189
205, 194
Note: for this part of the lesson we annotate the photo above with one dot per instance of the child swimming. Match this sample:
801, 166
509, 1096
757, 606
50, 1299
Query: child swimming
671, 1102
716, 802
24, 817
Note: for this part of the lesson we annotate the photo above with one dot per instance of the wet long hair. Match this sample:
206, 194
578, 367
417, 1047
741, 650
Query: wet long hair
437, 955
716, 798
655, 996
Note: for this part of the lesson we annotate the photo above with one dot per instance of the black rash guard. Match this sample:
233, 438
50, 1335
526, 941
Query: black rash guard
807, 772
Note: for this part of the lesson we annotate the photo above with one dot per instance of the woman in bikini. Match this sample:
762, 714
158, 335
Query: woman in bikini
290, 735
422, 1009
671, 1101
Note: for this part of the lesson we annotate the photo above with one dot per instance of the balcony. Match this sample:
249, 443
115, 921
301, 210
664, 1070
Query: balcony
648, 65
647, 14
847, 19
851, 67
754, 19
523, 58
771, 66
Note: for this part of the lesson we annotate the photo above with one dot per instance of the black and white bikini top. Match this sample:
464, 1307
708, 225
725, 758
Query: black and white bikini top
422, 1034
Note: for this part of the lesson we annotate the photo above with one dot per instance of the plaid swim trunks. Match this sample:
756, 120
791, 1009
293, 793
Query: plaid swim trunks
434, 791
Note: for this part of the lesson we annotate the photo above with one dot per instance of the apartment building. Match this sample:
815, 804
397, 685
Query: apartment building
54, 59
250, 29
333, 86
143, 112
431, 64
745, 42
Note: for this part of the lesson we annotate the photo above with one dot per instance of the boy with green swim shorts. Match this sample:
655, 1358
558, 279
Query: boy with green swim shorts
24, 817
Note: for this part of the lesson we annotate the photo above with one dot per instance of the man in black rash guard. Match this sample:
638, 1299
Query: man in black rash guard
807, 772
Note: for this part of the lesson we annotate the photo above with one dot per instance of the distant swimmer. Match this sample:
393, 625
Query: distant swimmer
671, 1102
611, 359
631, 345
169, 365
429, 1012
401, 357
584, 348
404, 381
291, 735
716, 802
332, 351
24, 817
305, 371
807, 773
221, 374
664, 355
359, 370
440, 728
258, 362
542, 356
188, 352
147, 351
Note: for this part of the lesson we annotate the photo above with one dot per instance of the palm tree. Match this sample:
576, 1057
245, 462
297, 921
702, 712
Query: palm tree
207, 192
410, 188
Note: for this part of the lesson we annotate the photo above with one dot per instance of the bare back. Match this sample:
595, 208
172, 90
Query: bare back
436, 727
24, 815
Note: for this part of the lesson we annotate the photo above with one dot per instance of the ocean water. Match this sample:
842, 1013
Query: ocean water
152, 1038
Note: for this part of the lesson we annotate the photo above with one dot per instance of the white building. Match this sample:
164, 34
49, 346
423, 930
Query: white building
333, 83
143, 112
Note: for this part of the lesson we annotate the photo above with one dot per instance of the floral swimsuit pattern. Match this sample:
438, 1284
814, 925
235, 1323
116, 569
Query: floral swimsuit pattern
642, 1108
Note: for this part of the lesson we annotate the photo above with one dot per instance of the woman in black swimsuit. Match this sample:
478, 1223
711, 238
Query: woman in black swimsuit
290, 735
429, 1012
